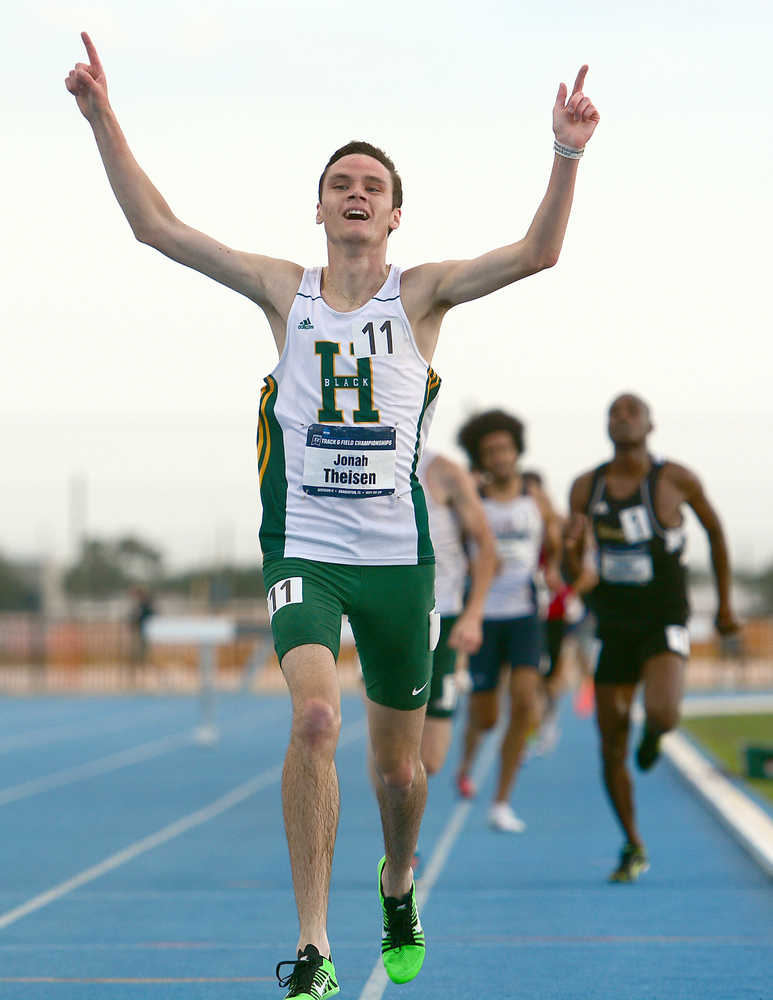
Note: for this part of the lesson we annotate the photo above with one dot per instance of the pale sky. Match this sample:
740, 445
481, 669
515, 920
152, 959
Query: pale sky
141, 378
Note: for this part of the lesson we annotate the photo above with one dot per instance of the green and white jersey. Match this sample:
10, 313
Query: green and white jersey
343, 418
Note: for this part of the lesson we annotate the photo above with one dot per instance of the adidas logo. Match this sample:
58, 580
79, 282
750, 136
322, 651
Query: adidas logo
306, 324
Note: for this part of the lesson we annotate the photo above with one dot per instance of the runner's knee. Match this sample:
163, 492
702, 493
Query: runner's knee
483, 712
613, 754
432, 761
317, 723
614, 742
524, 708
398, 773
662, 718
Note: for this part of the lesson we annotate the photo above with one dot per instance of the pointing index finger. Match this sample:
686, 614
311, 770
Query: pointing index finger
580, 79
91, 51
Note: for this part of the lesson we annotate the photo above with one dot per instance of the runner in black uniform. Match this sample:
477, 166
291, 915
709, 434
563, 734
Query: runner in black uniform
631, 509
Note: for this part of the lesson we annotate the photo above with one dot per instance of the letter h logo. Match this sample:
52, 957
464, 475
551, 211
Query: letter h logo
330, 383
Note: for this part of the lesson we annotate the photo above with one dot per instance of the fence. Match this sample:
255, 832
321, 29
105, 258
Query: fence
47, 656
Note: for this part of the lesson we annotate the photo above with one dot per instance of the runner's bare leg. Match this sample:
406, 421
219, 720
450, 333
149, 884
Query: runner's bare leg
310, 785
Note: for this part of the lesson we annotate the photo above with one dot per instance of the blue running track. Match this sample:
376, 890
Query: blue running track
137, 864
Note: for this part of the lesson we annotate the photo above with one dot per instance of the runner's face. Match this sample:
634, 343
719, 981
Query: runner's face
498, 455
629, 421
356, 201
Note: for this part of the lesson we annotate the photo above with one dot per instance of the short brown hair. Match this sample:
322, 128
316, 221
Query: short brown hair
358, 146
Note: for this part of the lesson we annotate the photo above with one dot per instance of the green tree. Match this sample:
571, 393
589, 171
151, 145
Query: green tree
763, 584
105, 568
17, 593
220, 583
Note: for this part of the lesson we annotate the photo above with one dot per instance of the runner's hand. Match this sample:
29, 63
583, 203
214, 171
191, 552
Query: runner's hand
467, 634
726, 622
575, 120
575, 534
87, 83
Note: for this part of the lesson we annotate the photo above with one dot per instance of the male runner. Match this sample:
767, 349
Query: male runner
630, 508
344, 529
524, 524
456, 517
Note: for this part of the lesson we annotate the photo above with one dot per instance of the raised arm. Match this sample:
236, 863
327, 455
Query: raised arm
441, 286
268, 282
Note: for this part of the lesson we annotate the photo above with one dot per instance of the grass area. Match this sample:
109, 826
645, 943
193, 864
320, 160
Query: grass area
725, 736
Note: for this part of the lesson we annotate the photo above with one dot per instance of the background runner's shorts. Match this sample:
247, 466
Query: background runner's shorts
624, 652
444, 693
389, 611
513, 641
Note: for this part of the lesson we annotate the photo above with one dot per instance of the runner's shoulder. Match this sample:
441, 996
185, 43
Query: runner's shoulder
447, 477
681, 477
579, 493
421, 286
277, 281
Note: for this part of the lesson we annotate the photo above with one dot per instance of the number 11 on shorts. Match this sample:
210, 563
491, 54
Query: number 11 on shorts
289, 591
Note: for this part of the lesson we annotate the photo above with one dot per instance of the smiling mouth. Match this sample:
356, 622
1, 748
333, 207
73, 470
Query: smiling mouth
356, 215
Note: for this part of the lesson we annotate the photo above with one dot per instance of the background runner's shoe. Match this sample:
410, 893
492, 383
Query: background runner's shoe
466, 786
648, 750
502, 817
313, 977
585, 699
402, 940
547, 737
633, 863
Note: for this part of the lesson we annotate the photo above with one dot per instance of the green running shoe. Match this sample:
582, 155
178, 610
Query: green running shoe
313, 977
633, 863
402, 942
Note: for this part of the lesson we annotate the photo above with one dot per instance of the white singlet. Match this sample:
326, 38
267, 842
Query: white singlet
450, 557
343, 417
518, 529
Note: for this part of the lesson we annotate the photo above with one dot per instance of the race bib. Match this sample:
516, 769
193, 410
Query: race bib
636, 525
379, 338
350, 462
434, 630
449, 695
289, 591
675, 539
678, 639
634, 568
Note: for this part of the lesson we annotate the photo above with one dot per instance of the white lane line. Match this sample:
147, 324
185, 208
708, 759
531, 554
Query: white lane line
180, 826
114, 762
82, 729
746, 703
378, 979
101, 765
748, 823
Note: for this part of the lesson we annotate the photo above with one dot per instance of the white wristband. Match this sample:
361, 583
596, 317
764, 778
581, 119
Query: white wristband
570, 152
